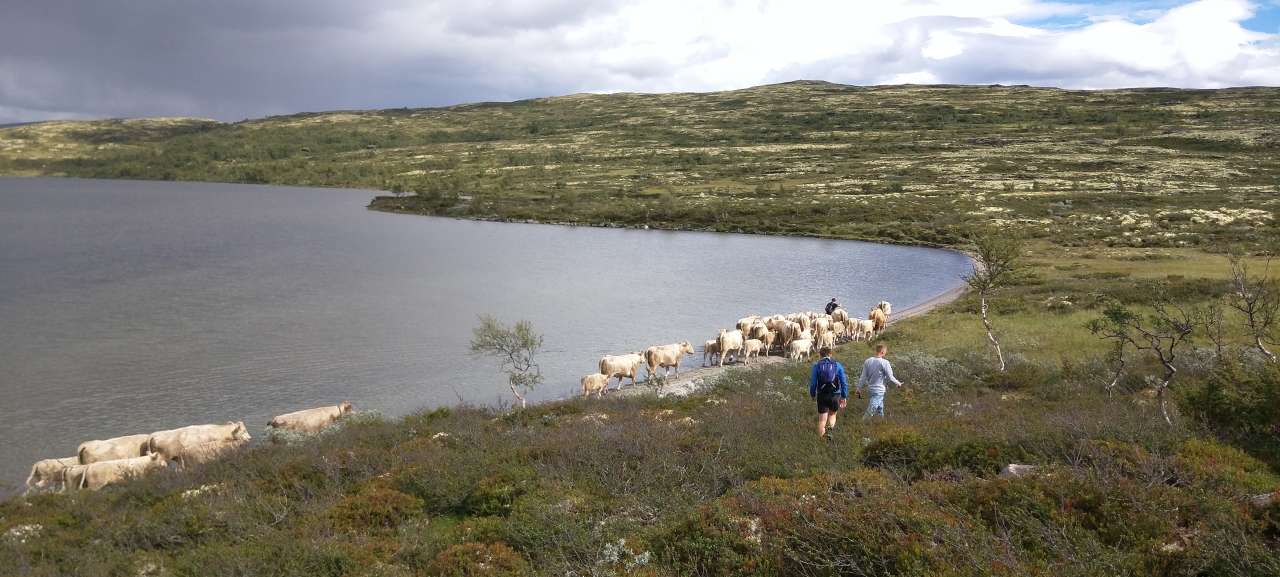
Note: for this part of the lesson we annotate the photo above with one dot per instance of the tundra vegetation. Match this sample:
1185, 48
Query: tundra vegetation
1127, 202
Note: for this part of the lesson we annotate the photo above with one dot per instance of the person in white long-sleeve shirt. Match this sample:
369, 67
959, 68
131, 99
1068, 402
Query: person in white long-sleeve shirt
875, 371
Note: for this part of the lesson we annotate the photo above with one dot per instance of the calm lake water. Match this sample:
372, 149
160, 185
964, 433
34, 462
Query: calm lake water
128, 307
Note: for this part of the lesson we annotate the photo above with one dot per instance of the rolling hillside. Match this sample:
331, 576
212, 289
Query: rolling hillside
914, 164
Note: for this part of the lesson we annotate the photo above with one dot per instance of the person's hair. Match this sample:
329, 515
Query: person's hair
881, 347
824, 352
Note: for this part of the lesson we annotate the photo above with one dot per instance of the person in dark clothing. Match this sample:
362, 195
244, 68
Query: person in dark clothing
832, 306
827, 386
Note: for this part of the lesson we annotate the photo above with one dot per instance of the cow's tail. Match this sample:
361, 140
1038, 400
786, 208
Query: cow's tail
150, 446
80, 454
84, 477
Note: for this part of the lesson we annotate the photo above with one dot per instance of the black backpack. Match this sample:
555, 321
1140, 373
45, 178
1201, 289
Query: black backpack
827, 376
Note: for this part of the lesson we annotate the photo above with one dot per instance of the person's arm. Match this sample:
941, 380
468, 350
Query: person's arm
813, 381
888, 372
862, 380
844, 384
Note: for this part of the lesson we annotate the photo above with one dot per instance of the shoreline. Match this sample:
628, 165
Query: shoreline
699, 379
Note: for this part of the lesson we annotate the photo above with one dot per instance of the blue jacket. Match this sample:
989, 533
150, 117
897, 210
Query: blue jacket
813, 379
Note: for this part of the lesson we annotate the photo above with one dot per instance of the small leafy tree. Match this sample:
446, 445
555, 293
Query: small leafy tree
998, 255
515, 348
1257, 299
1160, 333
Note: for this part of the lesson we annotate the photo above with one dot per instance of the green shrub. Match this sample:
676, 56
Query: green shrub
899, 449
479, 560
1019, 376
495, 494
983, 457
1221, 467
712, 542
374, 505
1238, 400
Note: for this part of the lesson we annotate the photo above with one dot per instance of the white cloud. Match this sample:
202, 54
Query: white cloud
252, 57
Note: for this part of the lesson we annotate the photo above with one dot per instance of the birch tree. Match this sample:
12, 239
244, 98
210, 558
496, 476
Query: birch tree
998, 259
515, 348
1257, 299
1160, 333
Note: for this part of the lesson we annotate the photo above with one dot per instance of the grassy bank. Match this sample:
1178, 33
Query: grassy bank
734, 482
914, 164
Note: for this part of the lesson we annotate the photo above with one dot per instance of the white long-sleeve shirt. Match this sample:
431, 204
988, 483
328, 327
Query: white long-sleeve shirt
875, 371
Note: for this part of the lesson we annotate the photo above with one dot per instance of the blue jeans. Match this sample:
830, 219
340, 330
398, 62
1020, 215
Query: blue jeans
875, 405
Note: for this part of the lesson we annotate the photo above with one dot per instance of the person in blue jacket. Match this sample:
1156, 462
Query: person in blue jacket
829, 388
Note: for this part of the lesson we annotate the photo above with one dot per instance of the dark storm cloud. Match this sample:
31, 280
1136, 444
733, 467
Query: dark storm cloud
239, 58
231, 59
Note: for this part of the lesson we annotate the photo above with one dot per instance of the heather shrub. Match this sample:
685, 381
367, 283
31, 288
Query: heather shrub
479, 560
1019, 376
712, 542
373, 505
899, 449
1223, 468
495, 494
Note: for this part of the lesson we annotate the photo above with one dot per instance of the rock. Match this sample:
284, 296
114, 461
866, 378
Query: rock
440, 435
1016, 470
202, 489
21, 533
1264, 500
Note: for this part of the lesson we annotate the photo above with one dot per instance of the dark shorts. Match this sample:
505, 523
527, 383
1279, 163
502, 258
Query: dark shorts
828, 403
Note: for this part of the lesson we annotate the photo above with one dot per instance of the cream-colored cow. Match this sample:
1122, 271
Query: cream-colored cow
767, 340
666, 357
48, 472
864, 330
171, 444
821, 325
800, 349
879, 321
729, 342
311, 420
622, 366
112, 449
208, 452
826, 339
751, 348
102, 473
594, 383
710, 350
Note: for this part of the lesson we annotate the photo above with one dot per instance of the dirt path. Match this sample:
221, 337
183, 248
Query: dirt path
694, 380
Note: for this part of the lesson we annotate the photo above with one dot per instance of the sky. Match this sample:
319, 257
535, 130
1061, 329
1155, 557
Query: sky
236, 59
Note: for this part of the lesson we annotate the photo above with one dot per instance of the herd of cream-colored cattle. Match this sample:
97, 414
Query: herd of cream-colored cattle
100, 463
797, 336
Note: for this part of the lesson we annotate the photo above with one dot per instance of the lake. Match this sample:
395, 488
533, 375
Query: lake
129, 307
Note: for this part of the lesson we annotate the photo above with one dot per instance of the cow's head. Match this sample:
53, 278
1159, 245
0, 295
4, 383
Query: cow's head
240, 433
345, 407
158, 461
686, 348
